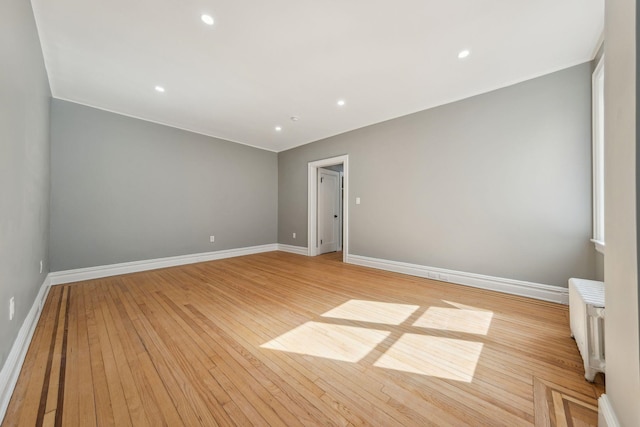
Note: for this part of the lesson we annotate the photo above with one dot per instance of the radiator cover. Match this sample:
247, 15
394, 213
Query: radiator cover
586, 316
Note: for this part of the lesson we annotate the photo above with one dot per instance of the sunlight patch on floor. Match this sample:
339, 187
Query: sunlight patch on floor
445, 358
417, 353
372, 311
338, 342
454, 319
465, 306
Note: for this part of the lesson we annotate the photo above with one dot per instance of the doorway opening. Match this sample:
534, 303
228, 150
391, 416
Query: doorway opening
321, 172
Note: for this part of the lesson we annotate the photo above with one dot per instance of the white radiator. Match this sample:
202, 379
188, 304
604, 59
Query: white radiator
586, 315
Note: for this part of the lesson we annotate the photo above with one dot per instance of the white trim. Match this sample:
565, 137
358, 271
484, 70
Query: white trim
606, 416
499, 284
299, 250
77, 275
12, 366
312, 202
597, 156
600, 246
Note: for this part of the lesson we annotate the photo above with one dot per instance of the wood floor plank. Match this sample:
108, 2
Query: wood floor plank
235, 359
83, 385
139, 392
118, 344
174, 369
102, 399
286, 370
72, 379
285, 340
166, 390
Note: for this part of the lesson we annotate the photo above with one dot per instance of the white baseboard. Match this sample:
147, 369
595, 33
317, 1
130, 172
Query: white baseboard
606, 416
300, 250
12, 366
80, 274
509, 286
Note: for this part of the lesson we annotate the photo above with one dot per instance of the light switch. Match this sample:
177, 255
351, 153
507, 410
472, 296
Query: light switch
357, 200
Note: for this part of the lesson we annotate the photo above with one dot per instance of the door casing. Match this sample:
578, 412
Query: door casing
312, 204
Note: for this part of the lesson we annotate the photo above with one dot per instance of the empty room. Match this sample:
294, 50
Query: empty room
300, 213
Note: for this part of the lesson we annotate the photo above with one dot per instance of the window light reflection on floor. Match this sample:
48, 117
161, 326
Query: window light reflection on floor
434, 356
455, 319
338, 342
464, 306
417, 353
372, 311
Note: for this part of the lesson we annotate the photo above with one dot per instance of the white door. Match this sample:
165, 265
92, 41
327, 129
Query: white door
328, 210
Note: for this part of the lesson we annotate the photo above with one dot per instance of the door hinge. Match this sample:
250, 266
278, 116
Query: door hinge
321, 178
320, 241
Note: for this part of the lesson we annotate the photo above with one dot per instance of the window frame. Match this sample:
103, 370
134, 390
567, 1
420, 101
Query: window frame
597, 144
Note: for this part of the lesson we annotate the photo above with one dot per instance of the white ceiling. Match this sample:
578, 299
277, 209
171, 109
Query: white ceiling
265, 61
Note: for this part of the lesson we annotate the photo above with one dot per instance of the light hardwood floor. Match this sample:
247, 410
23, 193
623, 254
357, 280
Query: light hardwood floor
278, 339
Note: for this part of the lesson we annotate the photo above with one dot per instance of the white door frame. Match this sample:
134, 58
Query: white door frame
312, 205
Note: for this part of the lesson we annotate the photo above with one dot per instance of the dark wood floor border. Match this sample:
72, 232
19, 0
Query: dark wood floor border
42, 408
63, 361
47, 374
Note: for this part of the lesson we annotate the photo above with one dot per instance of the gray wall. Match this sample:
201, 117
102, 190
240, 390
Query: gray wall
621, 261
24, 166
497, 184
124, 189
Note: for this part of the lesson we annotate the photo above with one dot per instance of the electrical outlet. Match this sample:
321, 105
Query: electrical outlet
40, 266
294, 235
12, 308
212, 239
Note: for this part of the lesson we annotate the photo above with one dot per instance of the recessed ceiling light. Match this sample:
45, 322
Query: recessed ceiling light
278, 128
159, 89
341, 102
463, 53
207, 19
